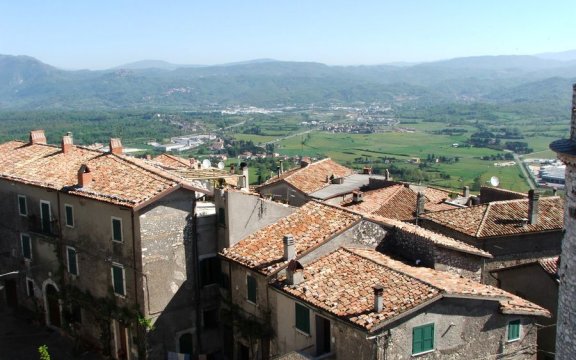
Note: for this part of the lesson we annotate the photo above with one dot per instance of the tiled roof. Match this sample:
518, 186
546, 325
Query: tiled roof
550, 265
310, 225
435, 238
397, 202
312, 177
502, 217
172, 161
115, 178
342, 283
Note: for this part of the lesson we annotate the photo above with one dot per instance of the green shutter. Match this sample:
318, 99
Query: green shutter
69, 216
514, 330
422, 338
22, 208
116, 229
302, 318
26, 247
72, 264
118, 279
251, 284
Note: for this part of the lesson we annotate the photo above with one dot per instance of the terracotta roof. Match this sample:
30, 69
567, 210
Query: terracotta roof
435, 238
500, 218
172, 161
342, 283
550, 265
397, 202
115, 178
310, 225
312, 177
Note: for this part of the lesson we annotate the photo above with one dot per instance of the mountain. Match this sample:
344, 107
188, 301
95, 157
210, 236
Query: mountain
26, 83
569, 55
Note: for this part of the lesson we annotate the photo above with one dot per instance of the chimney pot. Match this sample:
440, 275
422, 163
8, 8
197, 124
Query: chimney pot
420, 203
378, 298
289, 247
37, 137
116, 146
466, 191
533, 198
67, 144
84, 176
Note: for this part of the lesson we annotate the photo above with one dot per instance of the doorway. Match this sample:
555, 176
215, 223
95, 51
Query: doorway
11, 293
53, 305
322, 335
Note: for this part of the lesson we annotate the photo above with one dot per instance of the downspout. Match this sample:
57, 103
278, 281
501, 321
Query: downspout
196, 278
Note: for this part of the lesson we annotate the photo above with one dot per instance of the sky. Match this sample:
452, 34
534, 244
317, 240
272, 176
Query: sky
99, 34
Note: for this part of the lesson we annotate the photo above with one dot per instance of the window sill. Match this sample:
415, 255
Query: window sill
423, 352
302, 332
251, 302
513, 340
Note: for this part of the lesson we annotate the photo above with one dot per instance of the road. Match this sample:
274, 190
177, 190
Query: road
524, 171
289, 136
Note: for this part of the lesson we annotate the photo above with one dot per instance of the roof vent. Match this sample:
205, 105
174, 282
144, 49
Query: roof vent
37, 137
357, 197
84, 176
289, 247
116, 146
378, 298
336, 180
67, 143
533, 198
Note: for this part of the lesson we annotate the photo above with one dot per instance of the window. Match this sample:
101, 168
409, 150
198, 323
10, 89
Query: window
118, 279
514, 330
224, 281
72, 260
251, 285
209, 270
302, 318
422, 339
29, 287
22, 205
26, 243
210, 318
45, 217
221, 216
117, 229
69, 215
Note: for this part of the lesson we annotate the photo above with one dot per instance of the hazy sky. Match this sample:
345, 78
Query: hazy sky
98, 34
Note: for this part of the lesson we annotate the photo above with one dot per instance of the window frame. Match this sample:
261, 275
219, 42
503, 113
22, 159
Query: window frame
517, 324
112, 219
303, 311
30, 282
22, 197
209, 271
422, 340
49, 230
68, 248
251, 279
121, 267
66, 207
22, 236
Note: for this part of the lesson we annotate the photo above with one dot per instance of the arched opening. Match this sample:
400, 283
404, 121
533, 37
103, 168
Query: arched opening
185, 344
52, 305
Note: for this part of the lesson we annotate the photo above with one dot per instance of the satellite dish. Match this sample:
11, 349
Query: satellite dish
494, 181
206, 164
221, 165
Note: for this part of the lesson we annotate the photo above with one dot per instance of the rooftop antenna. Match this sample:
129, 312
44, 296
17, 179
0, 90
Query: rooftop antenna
494, 181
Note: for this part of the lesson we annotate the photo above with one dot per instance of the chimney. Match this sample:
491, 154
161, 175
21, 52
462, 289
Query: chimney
289, 247
148, 157
294, 273
37, 137
84, 176
67, 144
387, 175
281, 167
115, 146
420, 204
278, 171
357, 196
305, 161
367, 170
192, 161
533, 198
232, 169
466, 191
245, 176
378, 298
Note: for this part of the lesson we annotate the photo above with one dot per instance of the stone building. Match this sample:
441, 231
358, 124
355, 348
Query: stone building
566, 326
113, 250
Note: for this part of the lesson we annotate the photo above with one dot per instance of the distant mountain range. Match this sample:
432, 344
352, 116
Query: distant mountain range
26, 83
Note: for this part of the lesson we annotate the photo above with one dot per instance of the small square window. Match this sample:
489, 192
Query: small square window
29, 287
118, 279
251, 288
26, 243
22, 205
422, 339
72, 257
210, 318
117, 229
209, 270
69, 215
514, 330
302, 318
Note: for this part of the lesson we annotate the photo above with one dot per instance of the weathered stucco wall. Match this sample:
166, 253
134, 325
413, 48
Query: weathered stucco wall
281, 191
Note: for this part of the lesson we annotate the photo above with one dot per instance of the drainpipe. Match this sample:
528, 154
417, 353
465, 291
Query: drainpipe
196, 279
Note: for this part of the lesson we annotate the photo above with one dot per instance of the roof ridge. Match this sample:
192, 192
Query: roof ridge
148, 168
337, 207
484, 217
400, 187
